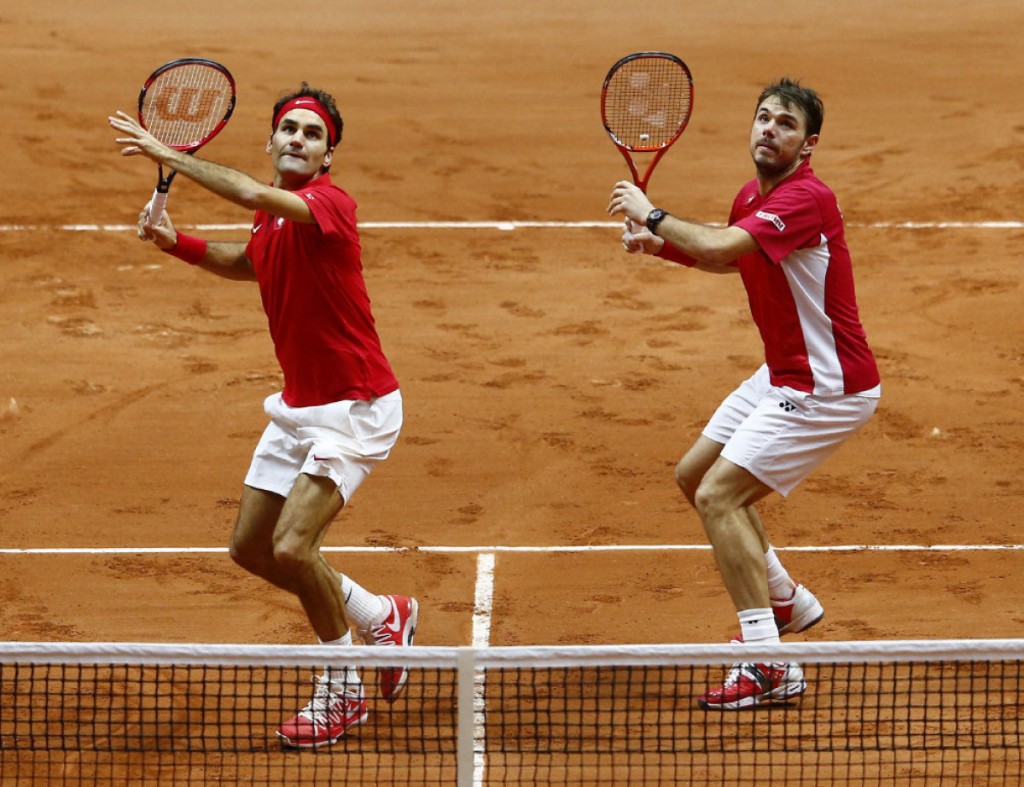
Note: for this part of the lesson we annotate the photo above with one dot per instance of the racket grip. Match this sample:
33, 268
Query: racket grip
156, 206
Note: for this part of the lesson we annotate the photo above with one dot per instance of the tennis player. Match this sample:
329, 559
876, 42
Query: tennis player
819, 383
341, 408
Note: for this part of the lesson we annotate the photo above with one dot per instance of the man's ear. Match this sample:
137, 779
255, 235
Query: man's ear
328, 157
809, 145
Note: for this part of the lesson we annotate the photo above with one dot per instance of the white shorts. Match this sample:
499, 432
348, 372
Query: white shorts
779, 434
341, 441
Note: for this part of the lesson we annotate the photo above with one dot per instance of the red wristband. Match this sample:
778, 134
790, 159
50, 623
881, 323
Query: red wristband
191, 250
672, 254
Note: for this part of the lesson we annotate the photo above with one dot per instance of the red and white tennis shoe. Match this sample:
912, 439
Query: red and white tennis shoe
327, 717
797, 613
749, 685
397, 629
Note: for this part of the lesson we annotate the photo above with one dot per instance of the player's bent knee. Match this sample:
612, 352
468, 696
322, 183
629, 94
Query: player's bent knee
710, 501
294, 558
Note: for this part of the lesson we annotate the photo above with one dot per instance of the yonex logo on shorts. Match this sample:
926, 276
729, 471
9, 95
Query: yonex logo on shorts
787, 406
779, 223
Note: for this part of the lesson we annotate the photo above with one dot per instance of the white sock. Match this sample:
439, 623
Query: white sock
780, 584
758, 625
343, 680
362, 607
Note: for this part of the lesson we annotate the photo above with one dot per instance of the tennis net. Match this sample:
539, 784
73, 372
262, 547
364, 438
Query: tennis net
875, 713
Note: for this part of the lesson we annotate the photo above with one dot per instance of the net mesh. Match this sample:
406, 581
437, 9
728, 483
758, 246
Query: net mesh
647, 102
186, 104
169, 718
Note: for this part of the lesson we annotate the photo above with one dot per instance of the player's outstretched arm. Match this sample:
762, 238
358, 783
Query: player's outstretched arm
231, 184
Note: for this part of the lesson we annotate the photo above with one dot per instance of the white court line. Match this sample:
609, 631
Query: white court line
484, 600
506, 226
492, 550
482, 608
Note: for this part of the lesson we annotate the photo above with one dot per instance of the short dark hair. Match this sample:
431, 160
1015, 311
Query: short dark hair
323, 97
790, 94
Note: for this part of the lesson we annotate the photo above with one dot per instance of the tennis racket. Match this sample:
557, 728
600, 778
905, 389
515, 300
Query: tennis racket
645, 106
184, 104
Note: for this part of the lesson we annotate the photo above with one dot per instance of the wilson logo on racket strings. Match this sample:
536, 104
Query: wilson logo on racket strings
186, 107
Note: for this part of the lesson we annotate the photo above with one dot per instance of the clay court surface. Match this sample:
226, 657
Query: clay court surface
550, 380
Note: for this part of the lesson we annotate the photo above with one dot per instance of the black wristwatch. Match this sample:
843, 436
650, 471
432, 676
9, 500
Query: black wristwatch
654, 218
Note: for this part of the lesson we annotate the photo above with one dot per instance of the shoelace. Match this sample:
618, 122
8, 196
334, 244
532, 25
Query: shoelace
751, 671
321, 703
734, 674
379, 634
324, 701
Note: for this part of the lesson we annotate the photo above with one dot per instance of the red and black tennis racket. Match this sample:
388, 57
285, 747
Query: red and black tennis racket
645, 105
184, 104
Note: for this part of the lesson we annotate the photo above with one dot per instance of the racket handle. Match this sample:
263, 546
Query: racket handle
156, 206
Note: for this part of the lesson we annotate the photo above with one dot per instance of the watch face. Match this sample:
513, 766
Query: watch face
654, 218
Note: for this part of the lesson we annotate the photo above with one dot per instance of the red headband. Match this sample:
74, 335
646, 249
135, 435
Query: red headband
310, 103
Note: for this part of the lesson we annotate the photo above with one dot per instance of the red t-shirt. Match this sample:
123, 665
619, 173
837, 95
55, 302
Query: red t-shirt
311, 281
800, 287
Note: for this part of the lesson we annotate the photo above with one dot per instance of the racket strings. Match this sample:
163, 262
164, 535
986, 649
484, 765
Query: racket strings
185, 104
647, 103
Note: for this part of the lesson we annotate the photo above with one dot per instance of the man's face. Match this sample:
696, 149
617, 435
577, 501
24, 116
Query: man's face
298, 147
778, 138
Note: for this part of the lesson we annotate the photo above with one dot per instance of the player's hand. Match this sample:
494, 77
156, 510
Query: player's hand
136, 141
629, 200
637, 239
161, 233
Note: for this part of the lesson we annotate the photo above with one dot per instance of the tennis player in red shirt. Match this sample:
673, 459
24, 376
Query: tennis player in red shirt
341, 409
819, 383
